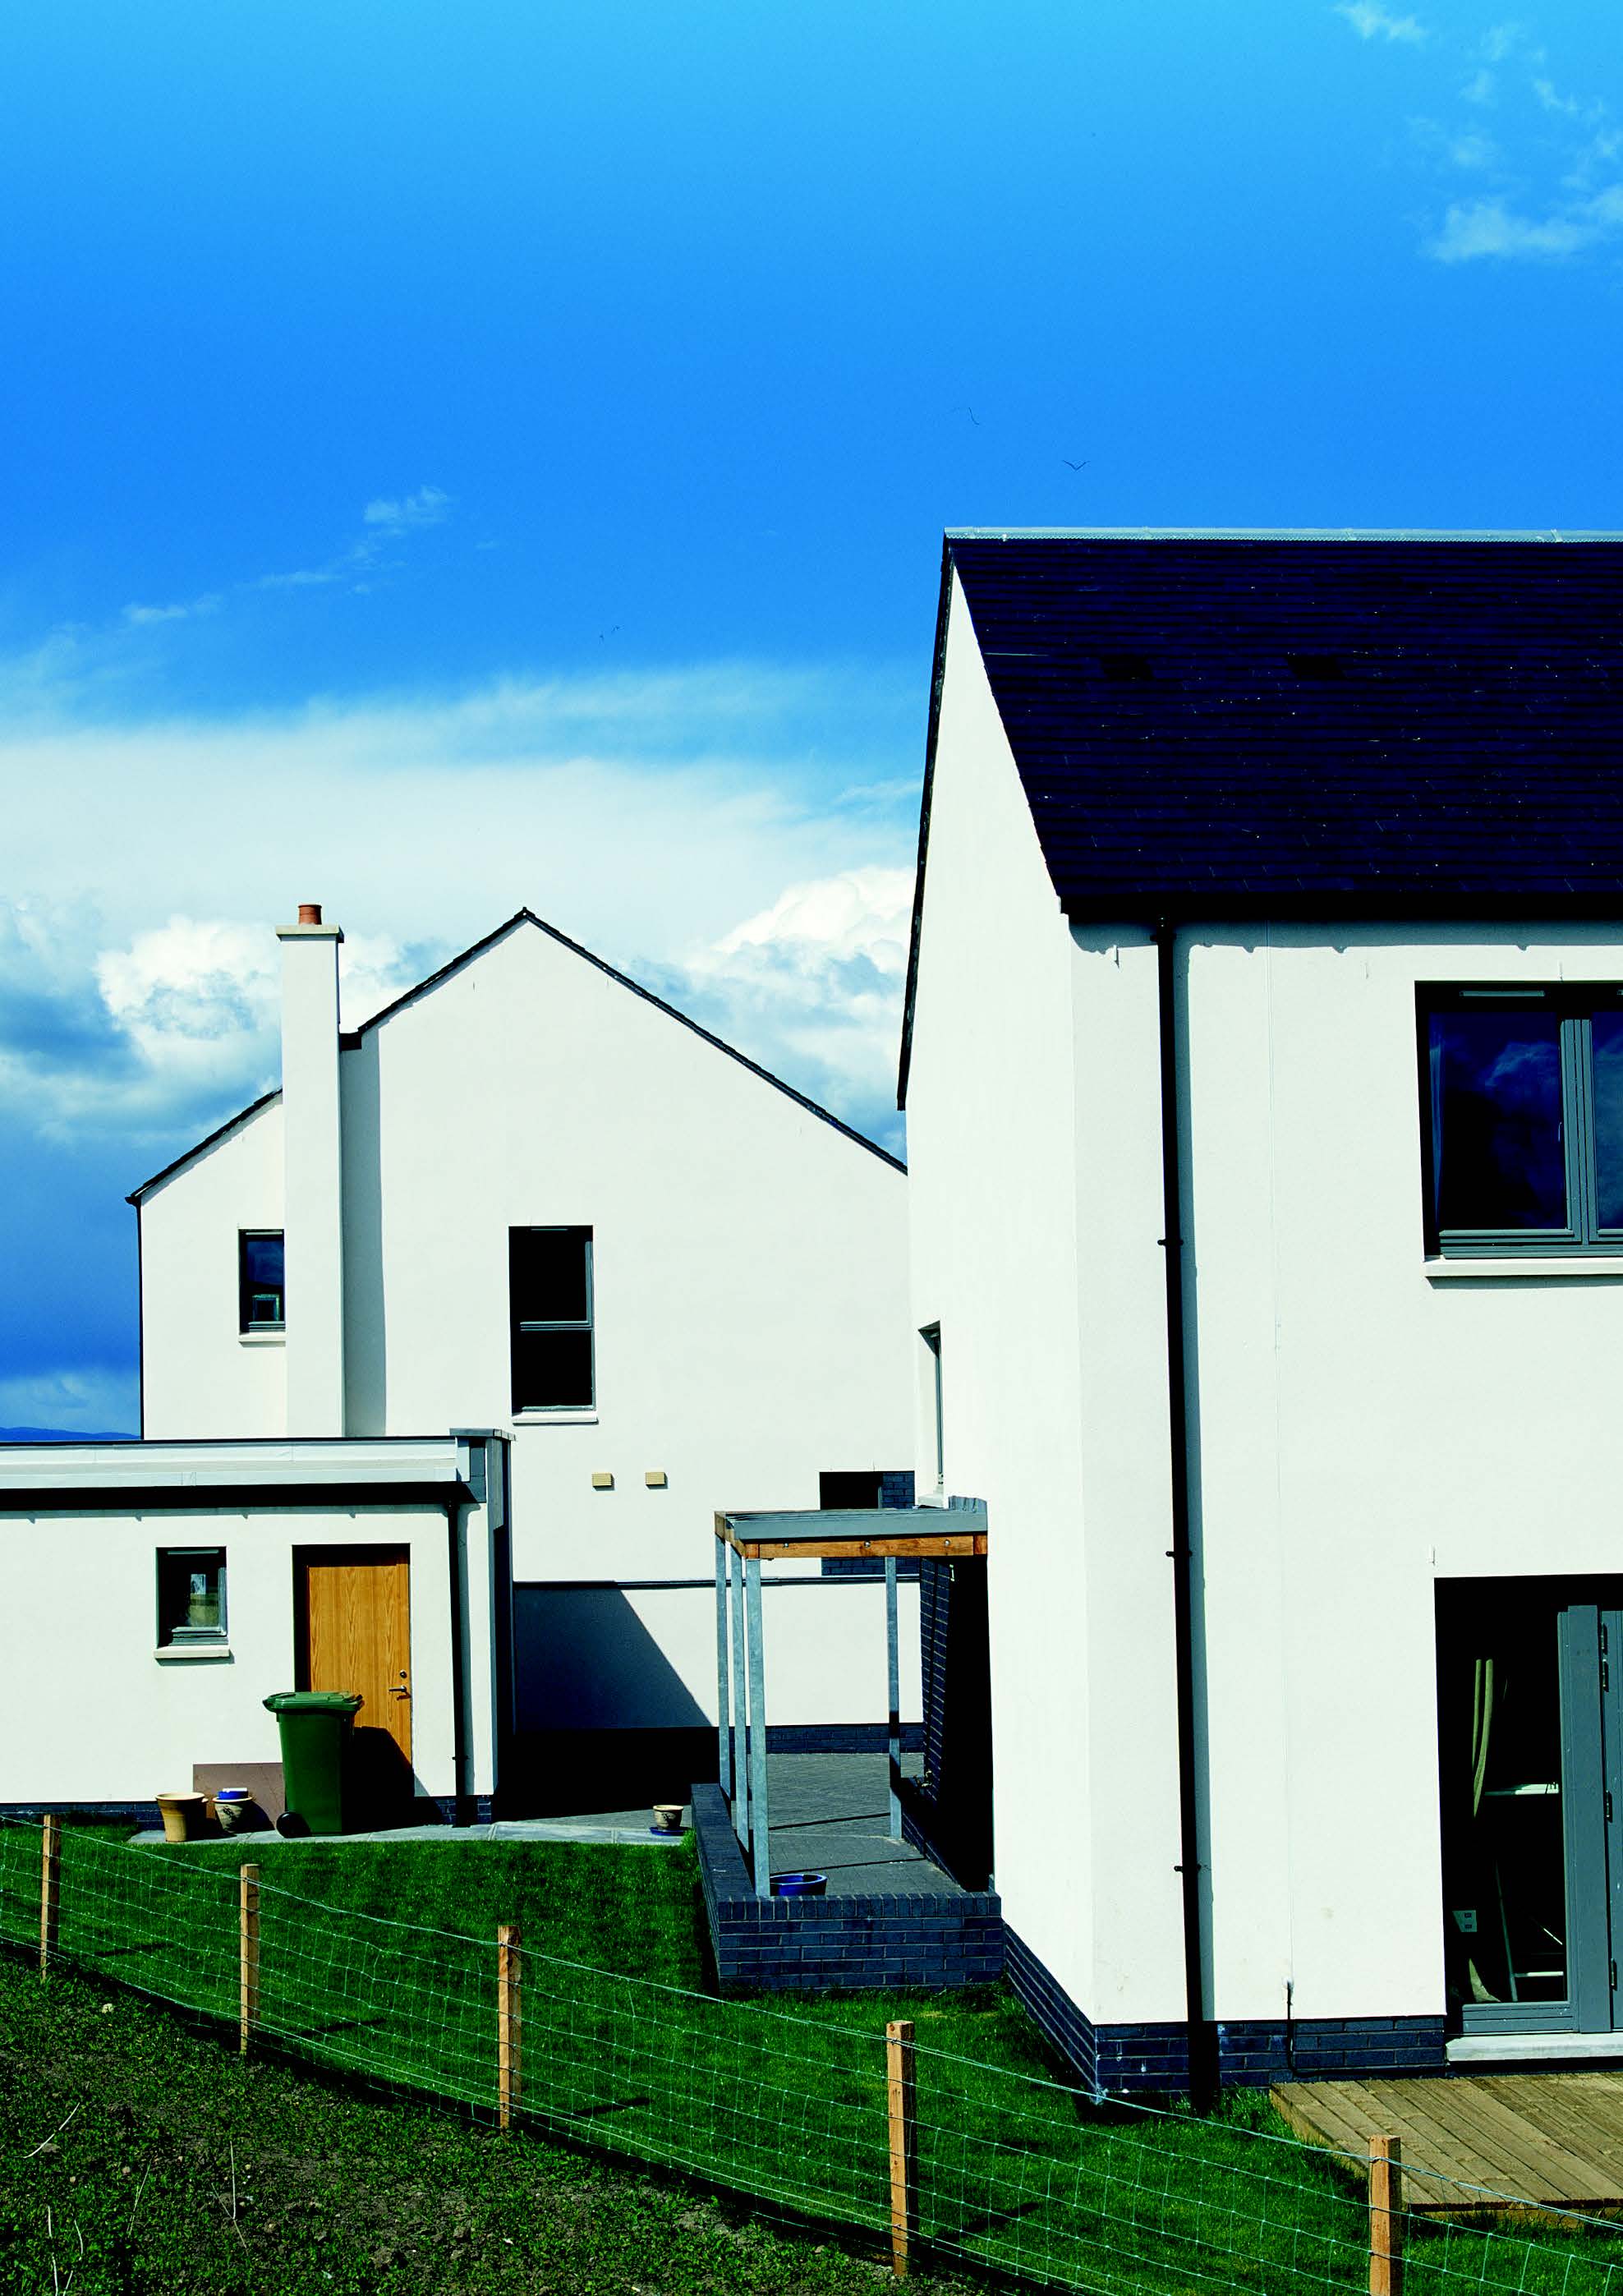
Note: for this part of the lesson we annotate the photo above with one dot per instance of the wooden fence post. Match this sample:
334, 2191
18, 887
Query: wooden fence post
509, 2035
248, 1936
1385, 2217
50, 1888
904, 2140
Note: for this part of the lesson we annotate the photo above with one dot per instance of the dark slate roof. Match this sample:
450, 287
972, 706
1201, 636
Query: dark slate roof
1313, 724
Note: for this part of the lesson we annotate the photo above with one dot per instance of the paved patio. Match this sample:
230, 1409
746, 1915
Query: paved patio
830, 1813
627, 1826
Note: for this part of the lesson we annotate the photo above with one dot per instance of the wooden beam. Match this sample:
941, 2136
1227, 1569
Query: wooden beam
918, 1545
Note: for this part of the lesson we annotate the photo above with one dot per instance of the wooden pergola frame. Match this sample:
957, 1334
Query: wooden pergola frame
744, 1541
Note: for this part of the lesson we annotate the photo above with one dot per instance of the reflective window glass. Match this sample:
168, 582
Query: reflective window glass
1608, 1031
1497, 1154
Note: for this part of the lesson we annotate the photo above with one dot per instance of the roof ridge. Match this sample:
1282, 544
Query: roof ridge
350, 1039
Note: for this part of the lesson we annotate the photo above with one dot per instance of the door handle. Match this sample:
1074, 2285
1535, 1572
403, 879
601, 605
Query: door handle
398, 1690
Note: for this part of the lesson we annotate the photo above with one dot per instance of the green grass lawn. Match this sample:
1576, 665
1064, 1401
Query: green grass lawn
378, 1961
123, 2130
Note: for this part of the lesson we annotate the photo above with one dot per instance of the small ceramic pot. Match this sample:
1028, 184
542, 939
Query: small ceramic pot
667, 1817
183, 1815
232, 1805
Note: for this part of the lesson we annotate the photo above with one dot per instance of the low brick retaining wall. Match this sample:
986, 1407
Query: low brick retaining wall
930, 1937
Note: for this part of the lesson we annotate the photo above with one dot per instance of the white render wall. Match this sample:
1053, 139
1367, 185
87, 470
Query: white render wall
749, 1275
101, 1718
1033, 1123
1366, 1428
201, 1375
749, 1278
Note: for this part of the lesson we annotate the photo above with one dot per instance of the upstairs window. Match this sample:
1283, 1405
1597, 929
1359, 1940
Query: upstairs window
261, 1291
1523, 1094
191, 1595
549, 1290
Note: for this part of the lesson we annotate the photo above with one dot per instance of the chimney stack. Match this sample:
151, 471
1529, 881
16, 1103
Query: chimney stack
313, 1217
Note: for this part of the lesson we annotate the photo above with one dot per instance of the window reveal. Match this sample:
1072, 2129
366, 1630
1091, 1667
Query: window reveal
191, 1595
261, 1285
550, 1304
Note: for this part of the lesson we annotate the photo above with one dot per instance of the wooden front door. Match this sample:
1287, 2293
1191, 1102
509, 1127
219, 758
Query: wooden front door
354, 1617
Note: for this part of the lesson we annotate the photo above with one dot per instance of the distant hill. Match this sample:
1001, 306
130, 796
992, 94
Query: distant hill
65, 1435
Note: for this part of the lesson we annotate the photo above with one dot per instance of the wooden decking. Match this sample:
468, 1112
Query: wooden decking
1527, 2140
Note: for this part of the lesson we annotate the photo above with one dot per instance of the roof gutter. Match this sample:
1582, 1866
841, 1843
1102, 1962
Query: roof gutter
1202, 2052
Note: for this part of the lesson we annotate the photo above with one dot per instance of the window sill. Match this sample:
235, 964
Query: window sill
1508, 1268
192, 1653
566, 1414
277, 1338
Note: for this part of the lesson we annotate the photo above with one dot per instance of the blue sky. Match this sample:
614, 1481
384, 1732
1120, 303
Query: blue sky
472, 454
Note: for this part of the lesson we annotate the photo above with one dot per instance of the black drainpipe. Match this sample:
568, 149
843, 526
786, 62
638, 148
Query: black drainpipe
1203, 2054
461, 1812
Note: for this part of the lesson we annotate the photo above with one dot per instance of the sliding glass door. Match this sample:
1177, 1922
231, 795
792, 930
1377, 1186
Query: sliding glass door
1530, 1745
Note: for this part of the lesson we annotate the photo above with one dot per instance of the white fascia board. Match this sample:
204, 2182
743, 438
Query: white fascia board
272, 1465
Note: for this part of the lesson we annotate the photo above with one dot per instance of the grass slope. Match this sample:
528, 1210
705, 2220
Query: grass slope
121, 2129
379, 1962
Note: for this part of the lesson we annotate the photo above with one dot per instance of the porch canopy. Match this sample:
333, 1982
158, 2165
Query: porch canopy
744, 1541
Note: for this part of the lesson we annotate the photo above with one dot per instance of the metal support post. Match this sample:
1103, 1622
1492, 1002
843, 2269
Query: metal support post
724, 1678
741, 1692
760, 1837
893, 1661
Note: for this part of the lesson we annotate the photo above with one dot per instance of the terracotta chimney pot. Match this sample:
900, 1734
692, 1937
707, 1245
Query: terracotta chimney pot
309, 913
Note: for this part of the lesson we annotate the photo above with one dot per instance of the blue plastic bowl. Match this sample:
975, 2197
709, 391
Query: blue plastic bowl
799, 1885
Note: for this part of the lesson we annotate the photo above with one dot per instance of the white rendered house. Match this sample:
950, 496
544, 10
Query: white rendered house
1264, 1073
531, 1200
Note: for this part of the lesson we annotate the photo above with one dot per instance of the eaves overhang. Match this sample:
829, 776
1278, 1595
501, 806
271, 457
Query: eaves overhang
263, 1473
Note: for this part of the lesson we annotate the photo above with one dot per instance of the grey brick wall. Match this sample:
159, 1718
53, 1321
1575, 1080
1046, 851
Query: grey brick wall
925, 1938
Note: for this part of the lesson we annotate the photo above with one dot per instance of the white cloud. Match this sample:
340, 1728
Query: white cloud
426, 507
80, 1402
1569, 107
1371, 23
644, 815
1500, 42
1479, 88
812, 986
1488, 228
137, 616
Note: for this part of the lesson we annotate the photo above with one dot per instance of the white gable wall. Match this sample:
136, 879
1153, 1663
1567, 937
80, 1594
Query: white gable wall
749, 1294
749, 1266
200, 1377
1033, 1116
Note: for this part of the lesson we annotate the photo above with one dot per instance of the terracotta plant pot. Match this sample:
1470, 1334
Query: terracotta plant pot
183, 1815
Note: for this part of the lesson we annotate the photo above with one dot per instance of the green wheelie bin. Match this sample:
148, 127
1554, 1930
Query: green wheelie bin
314, 1727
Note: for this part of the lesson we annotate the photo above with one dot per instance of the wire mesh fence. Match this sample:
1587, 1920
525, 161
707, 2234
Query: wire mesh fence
956, 2162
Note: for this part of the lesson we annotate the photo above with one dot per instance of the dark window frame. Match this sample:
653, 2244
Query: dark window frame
586, 1324
1575, 1006
185, 1636
246, 1324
